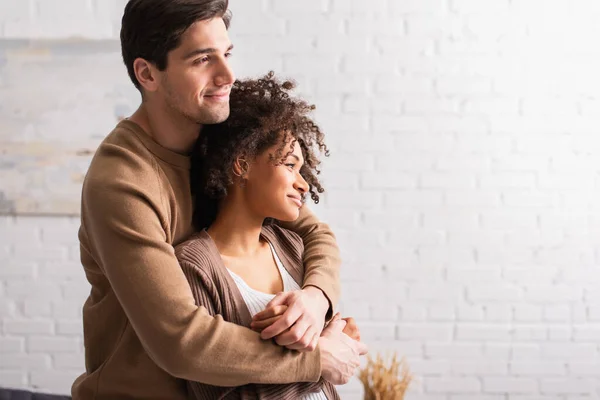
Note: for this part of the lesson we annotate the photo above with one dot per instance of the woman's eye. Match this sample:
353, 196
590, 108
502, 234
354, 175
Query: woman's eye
291, 165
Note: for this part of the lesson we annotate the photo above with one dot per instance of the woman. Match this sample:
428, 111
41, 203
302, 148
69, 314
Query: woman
248, 173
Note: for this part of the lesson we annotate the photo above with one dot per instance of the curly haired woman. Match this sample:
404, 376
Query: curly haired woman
250, 175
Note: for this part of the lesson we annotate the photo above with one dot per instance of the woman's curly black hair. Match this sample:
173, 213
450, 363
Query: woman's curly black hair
262, 114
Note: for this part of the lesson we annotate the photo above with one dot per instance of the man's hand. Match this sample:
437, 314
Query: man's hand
339, 353
299, 325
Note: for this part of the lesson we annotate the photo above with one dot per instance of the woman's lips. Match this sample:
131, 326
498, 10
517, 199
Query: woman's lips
296, 200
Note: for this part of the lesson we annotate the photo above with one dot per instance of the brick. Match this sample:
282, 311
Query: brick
470, 313
441, 312
37, 308
510, 385
410, 198
537, 368
428, 367
570, 351
31, 362
494, 293
69, 361
530, 333
28, 327
586, 333
69, 328
451, 221
515, 219
528, 313
12, 345
557, 313
480, 367
16, 270
434, 292
388, 180
567, 385
418, 7
13, 379
560, 334
454, 385
453, 350
47, 344
496, 332
62, 270
447, 180
437, 332
444, 256
25, 290
54, 380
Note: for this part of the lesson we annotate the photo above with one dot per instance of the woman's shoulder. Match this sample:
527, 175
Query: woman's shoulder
198, 250
283, 235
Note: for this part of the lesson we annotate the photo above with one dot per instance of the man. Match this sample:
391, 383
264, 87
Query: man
142, 329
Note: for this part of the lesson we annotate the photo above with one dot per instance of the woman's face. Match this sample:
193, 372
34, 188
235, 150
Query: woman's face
276, 191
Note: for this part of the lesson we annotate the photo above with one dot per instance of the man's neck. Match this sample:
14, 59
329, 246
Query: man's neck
175, 133
236, 231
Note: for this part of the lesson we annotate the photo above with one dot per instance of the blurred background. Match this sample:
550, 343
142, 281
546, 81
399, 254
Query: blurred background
463, 182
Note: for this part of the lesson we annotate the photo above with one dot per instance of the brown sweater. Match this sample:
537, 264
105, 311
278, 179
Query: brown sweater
214, 289
142, 327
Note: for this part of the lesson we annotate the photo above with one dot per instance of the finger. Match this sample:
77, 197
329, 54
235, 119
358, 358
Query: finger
351, 328
262, 324
297, 335
286, 321
304, 343
312, 345
279, 299
336, 317
269, 312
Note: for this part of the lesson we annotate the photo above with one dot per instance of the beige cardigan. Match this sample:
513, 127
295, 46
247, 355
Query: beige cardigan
214, 289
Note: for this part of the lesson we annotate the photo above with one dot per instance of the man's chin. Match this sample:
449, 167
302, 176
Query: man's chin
210, 117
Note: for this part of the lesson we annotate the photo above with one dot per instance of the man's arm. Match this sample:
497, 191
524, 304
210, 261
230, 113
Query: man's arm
321, 256
125, 225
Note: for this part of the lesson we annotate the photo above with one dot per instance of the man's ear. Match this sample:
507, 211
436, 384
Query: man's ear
147, 74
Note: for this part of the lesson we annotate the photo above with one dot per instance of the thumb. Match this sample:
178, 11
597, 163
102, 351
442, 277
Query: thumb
336, 326
361, 348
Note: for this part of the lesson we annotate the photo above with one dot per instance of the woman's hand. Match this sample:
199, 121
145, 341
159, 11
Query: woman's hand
351, 329
299, 325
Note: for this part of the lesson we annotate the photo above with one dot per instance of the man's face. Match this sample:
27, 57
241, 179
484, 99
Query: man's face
198, 78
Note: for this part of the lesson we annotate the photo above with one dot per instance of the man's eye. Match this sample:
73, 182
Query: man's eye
201, 60
228, 54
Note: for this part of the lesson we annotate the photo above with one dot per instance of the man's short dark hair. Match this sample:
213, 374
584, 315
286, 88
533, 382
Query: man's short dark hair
150, 29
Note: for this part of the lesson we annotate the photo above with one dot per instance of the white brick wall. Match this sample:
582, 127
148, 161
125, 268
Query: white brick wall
463, 185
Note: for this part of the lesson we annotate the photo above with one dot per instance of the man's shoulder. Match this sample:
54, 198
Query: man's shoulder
122, 154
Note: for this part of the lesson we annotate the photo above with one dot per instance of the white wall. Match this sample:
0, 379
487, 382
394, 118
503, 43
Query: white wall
463, 185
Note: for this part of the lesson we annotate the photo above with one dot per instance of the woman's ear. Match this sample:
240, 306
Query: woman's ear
241, 167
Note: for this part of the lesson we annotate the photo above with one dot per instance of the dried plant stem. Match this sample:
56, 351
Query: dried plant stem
385, 383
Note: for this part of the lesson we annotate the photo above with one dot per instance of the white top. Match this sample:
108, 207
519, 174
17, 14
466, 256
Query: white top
256, 301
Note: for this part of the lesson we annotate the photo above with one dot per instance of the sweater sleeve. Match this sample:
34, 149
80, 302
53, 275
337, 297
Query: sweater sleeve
125, 223
321, 255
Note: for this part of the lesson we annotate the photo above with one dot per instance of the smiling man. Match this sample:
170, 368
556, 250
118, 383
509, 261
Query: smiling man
142, 328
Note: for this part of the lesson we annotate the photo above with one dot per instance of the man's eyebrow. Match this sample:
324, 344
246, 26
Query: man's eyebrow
207, 50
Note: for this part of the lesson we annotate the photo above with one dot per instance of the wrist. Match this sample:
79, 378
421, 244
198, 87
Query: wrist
319, 294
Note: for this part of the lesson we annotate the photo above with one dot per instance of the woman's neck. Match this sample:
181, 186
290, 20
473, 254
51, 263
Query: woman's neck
236, 230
